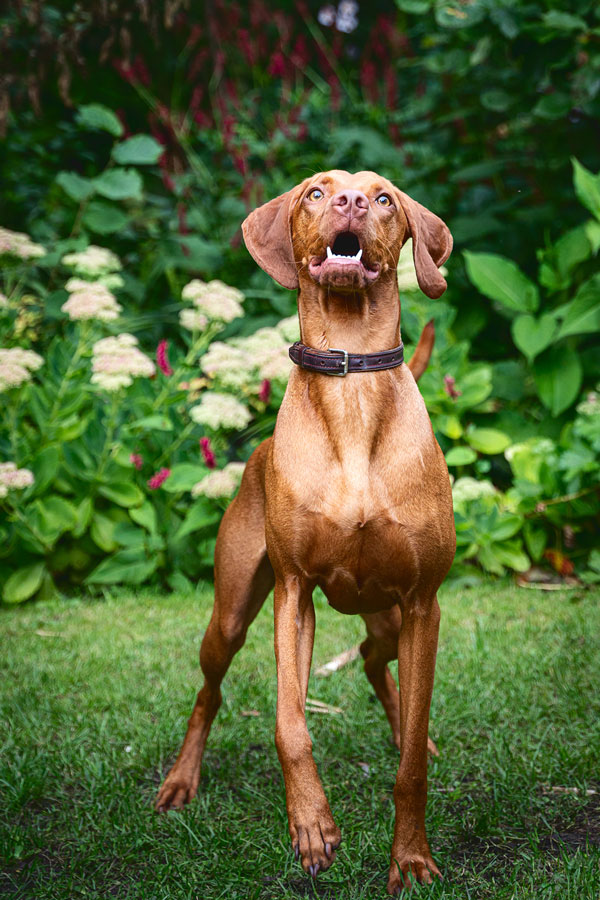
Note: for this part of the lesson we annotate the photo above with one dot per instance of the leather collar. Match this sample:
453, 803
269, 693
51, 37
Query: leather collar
340, 362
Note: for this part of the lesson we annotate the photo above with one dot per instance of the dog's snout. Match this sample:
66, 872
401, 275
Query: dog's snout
351, 203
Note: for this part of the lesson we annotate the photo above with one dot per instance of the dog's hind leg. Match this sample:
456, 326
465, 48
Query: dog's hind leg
243, 578
378, 649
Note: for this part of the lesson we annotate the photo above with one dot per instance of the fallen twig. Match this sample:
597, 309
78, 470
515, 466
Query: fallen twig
342, 659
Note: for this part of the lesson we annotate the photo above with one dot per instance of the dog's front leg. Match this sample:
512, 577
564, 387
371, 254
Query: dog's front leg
314, 834
417, 648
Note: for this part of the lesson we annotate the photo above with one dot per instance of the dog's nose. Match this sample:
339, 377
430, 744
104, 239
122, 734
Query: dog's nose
351, 203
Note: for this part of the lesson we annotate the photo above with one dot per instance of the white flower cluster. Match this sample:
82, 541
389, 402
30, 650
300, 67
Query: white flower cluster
14, 479
16, 366
116, 361
90, 300
3, 301
249, 360
93, 261
407, 276
467, 488
220, 411
221, 482
18, 244
219, 302
193, 320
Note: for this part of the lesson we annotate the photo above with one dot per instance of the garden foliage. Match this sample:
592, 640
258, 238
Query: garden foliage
143, 355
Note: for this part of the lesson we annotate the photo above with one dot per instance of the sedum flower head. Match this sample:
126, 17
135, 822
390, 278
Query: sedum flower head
192, 320
233, 367
16, 366
90, 300
93, 261
220, 411
12, 478
3, 301
218, 301
289, 329
220, 482
16, 243
116, 361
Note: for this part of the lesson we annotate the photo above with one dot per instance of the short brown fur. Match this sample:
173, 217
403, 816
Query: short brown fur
351, 493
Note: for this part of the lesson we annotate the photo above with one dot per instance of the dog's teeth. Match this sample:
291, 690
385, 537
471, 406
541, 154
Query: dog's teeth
329, 253
358, 255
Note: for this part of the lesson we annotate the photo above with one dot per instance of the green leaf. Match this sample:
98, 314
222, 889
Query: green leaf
488, 440
183, 477
200, 515
58, 514
104, 218
553, 106
119, 184
139, 150
124, 493
83, 514
126, 567
496, 100
511, 554
96, 116
127, 535
583, 313
592, 232
145, 515
564, 21
507, 526
45, 468
449, 425
460, 456
587, 187
502, 280
75, 186
558, 375
417, 7
536, 539
23, 583
152, 423
102, 532
457, 15
533, 335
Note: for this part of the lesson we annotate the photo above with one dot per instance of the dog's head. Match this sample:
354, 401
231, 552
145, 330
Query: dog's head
344, 232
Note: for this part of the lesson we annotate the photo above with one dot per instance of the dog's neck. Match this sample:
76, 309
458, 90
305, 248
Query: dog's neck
362, 322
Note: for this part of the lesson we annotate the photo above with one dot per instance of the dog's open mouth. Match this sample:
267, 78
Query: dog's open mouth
344, 264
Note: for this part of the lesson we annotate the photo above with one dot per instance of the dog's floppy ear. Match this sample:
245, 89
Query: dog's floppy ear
268, 236
432, 245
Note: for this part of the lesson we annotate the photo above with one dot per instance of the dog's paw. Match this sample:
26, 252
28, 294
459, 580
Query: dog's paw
315, 840
407, 870
176, 790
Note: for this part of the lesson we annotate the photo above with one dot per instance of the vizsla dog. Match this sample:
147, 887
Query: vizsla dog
351, 493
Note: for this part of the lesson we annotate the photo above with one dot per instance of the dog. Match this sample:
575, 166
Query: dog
351, 493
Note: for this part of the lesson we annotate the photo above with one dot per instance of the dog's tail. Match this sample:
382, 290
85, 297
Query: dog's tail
422, 353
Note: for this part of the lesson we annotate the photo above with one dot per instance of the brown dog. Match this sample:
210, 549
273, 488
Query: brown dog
351, 493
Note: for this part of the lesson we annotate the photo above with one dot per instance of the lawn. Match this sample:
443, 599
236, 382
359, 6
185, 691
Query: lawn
94, 704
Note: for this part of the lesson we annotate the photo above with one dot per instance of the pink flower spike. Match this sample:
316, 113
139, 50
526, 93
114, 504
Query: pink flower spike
207, 453
264, 393
449, 387
161, 358
159, 478
136, 460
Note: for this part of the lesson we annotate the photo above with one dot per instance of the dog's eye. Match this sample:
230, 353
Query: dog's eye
315, 194
384, 200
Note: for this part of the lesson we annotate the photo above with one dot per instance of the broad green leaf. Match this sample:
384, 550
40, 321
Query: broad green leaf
488, 440
94, 115
201, 515
119, 184
502, 280
592, 232
553, 106
23, 583
460, 456
129, 566
102, 532
582, 315
58, 514
183, 477
127, 535
139, 150
152, 423
417, 7
449, 425
83, 516
533, 335
123, 493
564, 21
104, 218
75, 186
512, 555
587, 187
506, 527
458, 15
536, 539
496, 100
145, 515
487, 556
558, 377
45, 468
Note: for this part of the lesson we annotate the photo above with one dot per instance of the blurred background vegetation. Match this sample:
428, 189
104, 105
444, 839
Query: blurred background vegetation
486, 112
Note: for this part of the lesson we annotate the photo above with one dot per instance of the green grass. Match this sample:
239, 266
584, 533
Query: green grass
95, 697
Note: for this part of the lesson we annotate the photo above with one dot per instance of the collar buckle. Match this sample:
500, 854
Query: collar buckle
344, 353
